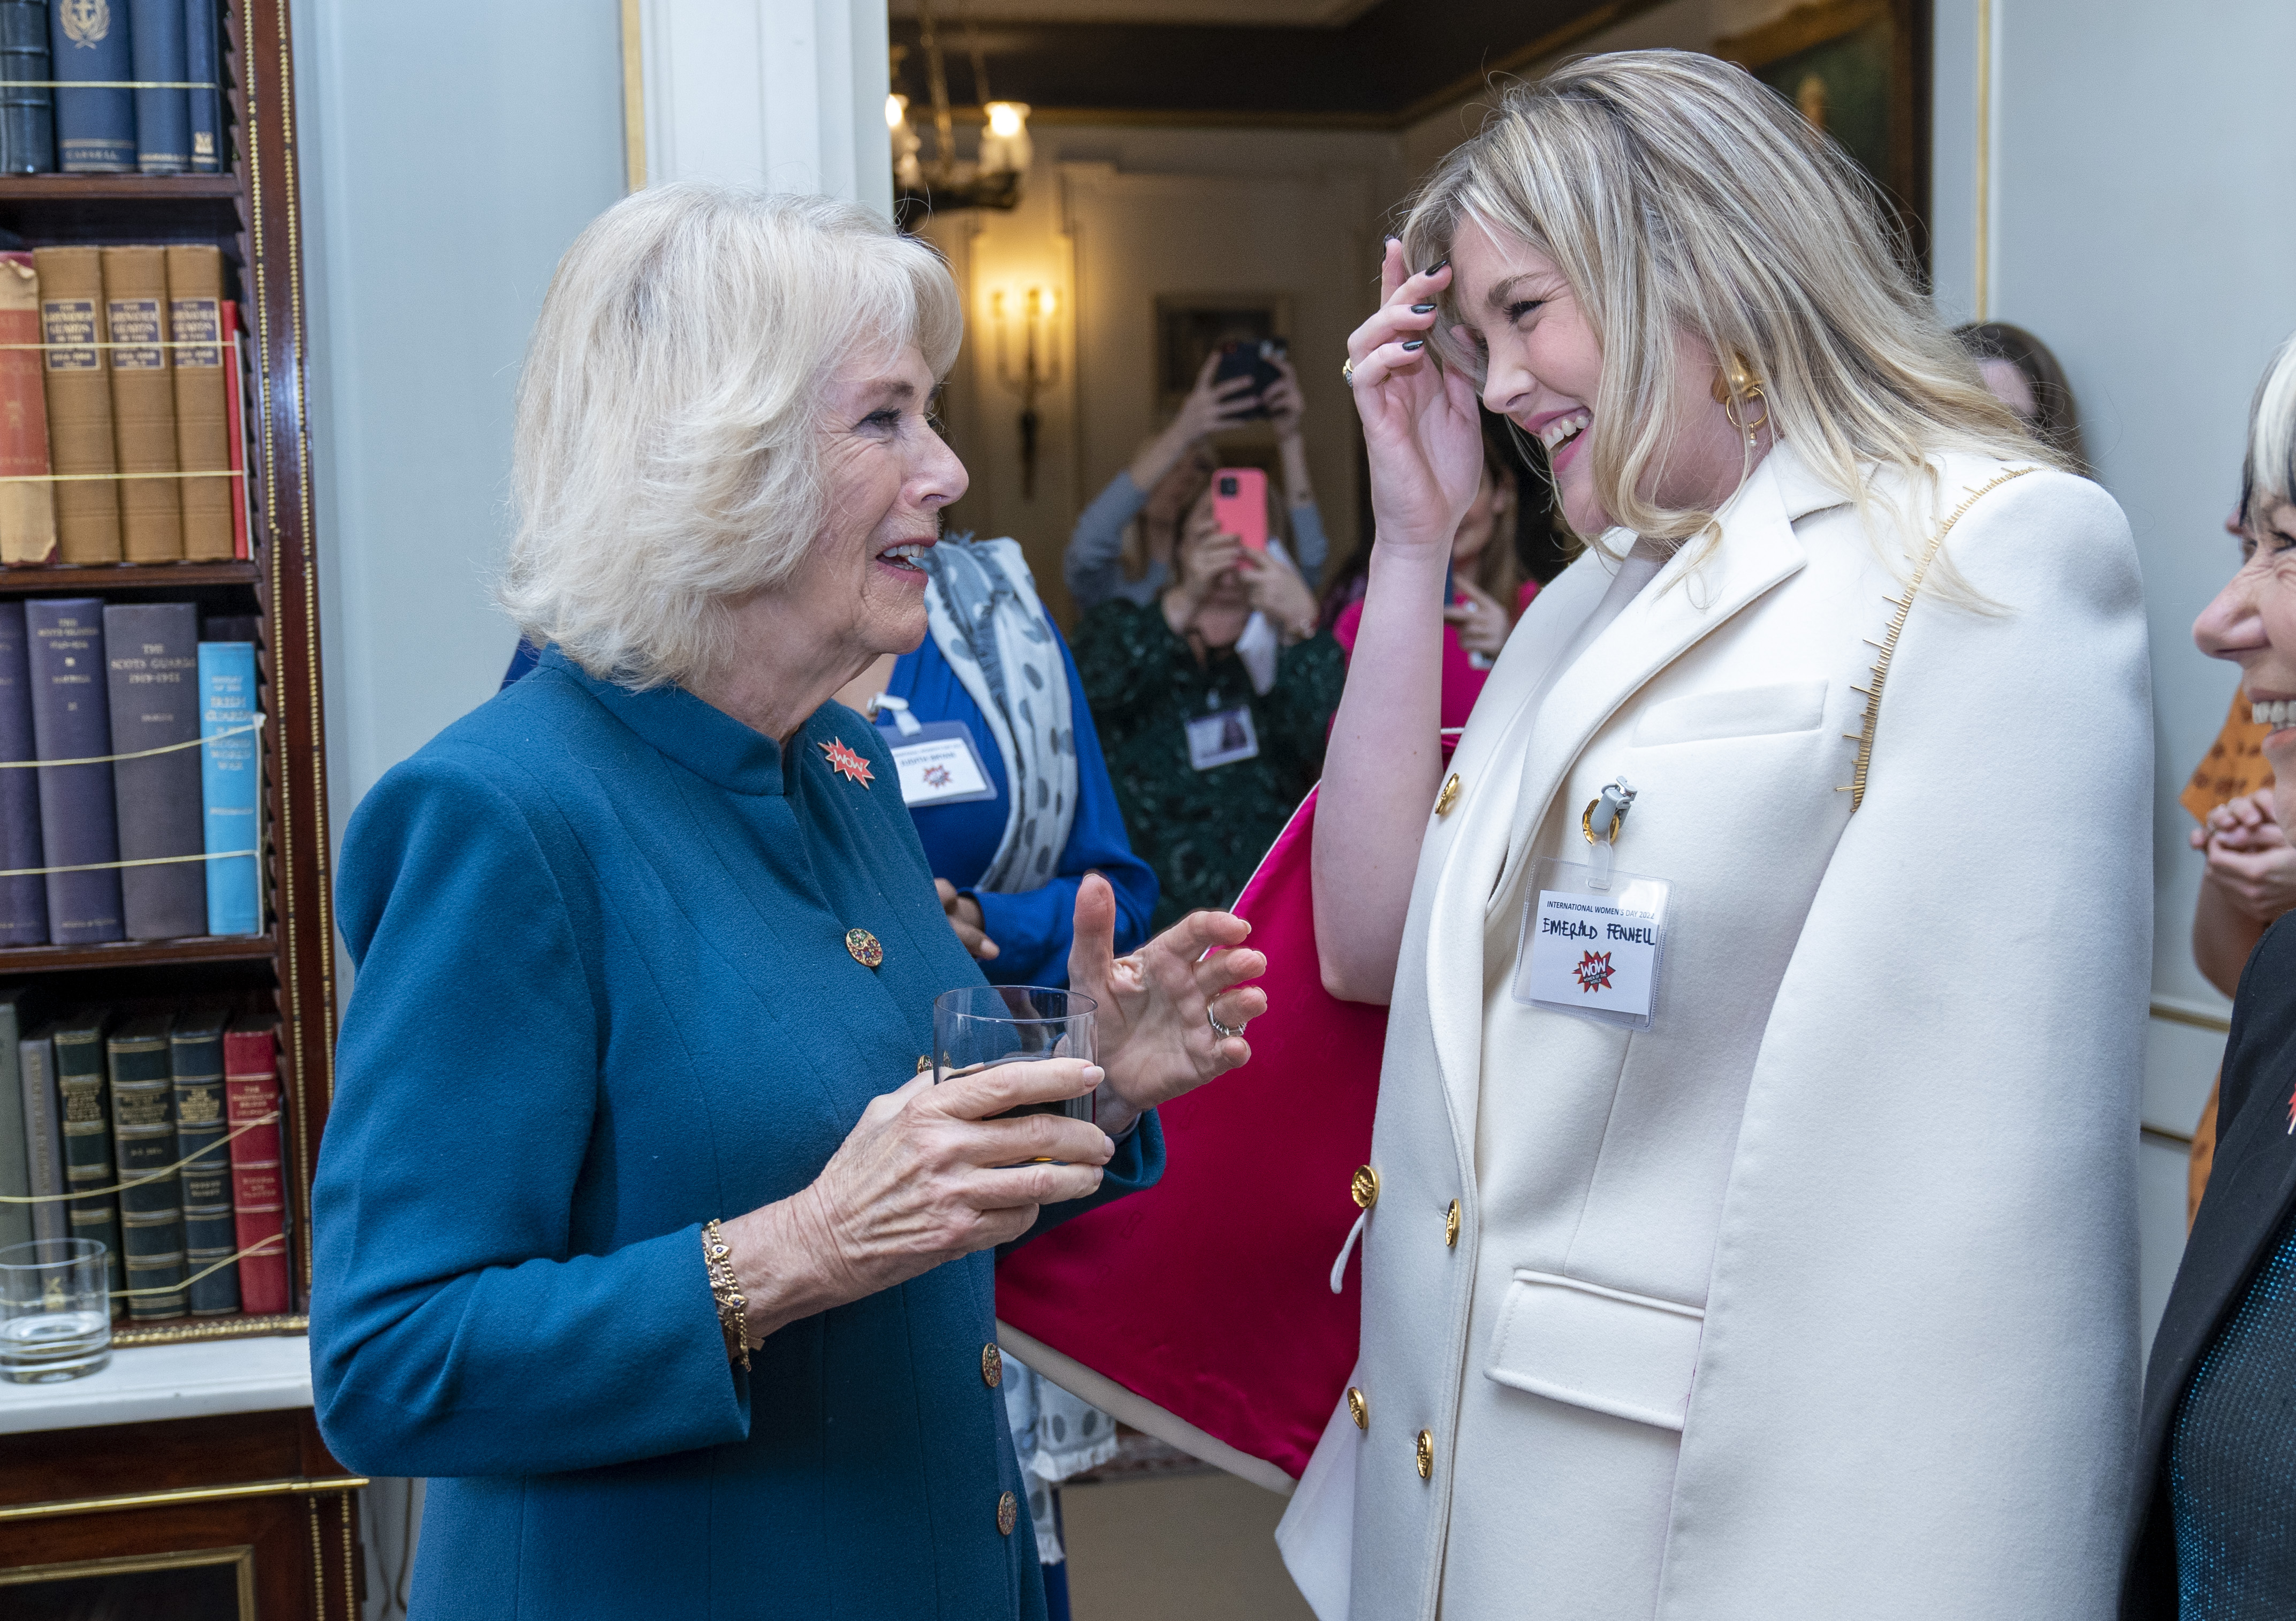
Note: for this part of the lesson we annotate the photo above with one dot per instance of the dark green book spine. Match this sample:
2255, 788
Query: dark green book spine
195, 1054
151, 1195
87, 1138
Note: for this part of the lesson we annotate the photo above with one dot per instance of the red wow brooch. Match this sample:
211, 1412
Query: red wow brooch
845, 762
1594, 971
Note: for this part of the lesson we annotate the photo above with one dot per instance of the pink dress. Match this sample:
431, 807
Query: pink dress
1463, 683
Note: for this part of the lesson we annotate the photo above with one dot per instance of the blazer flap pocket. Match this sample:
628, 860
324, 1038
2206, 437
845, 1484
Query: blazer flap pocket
1628, 1355
1742, 711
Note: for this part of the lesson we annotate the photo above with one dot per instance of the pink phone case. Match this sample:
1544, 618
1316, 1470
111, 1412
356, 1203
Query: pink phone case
1240, 503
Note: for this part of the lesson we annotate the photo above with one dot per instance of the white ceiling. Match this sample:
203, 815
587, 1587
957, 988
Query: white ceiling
1246, 13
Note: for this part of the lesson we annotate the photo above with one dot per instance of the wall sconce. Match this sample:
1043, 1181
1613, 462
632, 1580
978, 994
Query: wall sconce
1040, 366
1005, 144
908, 175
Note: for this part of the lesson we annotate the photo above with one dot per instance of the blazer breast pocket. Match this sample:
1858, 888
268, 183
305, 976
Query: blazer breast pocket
1741, 711
1629, 1356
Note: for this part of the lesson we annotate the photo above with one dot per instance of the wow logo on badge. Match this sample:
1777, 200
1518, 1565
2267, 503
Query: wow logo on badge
1595, 972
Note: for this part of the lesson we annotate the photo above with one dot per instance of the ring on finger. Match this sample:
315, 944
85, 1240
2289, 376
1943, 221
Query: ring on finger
1219, 1029
1348, 372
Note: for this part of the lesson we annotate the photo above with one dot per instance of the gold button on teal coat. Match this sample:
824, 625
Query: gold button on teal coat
604, 995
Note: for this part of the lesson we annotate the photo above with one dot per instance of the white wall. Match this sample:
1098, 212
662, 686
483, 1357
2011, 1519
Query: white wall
2140, 224
439, 186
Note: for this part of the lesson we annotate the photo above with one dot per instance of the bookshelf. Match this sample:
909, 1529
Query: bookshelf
89, 1488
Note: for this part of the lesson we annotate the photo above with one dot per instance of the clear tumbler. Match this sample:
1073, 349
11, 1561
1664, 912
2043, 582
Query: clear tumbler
55, 1310
984, 1026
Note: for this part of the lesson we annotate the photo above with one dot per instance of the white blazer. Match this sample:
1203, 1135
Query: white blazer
1845, 1245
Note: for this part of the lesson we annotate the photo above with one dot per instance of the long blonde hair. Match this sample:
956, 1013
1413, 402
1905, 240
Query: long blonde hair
1677, 194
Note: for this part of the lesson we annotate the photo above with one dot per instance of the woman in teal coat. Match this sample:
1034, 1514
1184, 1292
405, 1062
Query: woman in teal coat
648, 942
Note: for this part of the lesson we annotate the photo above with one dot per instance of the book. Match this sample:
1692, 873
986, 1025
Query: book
23, 900
43, 1134
243, 522
71, 721
87, 1116
151, 1190
163, 112
15, 1146
152, 655
95, 130
28, 510
231, 782
259, 1192
195, 1060
203, 66
143, 402
27, 129
202, 397
79, 403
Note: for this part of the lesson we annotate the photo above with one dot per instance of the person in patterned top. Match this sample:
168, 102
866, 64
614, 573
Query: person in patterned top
1212, 702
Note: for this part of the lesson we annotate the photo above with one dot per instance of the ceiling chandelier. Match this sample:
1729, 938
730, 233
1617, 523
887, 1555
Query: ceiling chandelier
991, 180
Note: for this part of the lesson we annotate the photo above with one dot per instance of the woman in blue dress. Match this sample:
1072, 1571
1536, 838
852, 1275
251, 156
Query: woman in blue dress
639, 1227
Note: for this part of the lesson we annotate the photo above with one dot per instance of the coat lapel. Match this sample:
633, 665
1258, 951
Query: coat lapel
1680, 607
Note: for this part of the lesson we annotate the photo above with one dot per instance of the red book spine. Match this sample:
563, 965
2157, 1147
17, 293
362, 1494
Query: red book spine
27, 518
259, 1198
234, 417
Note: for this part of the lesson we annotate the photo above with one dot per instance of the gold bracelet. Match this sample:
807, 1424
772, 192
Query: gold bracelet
726, 1288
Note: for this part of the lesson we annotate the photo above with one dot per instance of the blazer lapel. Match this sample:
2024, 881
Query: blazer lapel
1671, 614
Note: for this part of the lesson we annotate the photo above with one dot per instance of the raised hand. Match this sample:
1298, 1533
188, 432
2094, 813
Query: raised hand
1285, 402
1155, 1040
1420, 430
1213, 407
1277, 591
1482, 622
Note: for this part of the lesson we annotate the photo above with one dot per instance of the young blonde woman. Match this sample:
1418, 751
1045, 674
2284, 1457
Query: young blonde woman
1749, 1218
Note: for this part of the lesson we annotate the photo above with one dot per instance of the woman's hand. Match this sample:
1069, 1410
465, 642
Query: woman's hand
1277, 591
924, 1178
2250, 858
1214, 407
1420, 430
1206, 553
1283, 400
1482, 622
964, 916
1155, 1040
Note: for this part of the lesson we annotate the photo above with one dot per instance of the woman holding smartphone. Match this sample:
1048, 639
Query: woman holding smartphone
1749, 1225
1212, 701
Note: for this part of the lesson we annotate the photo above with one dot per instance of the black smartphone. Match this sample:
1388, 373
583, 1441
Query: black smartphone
1244, 358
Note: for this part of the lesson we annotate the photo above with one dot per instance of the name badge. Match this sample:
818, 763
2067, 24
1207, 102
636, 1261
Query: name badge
1222, 738
1593, 951
938, 764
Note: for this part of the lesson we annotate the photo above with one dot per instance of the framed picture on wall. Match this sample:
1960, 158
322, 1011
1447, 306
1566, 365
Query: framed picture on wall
1858, 69
1190, 325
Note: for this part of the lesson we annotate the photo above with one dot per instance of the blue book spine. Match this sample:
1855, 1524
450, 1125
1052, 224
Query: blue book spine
27, 132
95, 130
23, 901
71, 720
163, 118
203, 65
231, 777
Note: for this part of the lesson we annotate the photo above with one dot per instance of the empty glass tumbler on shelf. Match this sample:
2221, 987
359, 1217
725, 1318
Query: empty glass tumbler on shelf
55, 1310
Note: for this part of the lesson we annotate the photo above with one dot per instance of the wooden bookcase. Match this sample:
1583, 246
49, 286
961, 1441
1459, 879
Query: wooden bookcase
233, 1488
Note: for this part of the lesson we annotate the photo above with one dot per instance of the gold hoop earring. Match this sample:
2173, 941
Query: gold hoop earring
1733, 386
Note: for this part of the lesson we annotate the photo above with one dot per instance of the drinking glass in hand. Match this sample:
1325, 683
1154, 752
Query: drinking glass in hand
984, 1026
55, 1310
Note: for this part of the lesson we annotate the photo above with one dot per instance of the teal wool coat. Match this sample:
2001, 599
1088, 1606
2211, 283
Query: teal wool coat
603, 995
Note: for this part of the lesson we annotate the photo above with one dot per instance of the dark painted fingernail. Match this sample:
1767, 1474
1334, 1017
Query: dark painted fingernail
1440, 265
1423, 309
1415, 343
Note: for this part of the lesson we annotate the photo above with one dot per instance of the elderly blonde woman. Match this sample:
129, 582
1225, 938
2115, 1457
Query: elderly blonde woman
648, 942
1749, 1228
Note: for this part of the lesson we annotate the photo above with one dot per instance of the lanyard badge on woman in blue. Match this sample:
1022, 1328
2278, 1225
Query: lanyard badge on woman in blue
1592, 936
936, 761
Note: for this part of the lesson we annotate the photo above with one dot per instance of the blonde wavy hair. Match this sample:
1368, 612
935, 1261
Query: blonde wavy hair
1677, 194
670, 412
